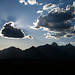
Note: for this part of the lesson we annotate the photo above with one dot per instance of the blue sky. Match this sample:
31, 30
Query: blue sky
23, 13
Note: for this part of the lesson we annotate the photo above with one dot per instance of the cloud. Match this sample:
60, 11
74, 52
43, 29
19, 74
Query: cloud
58, 35
10, 31
29, 37
40, 11
74, 3
49, 6
55, 35
58, 21
31, 2
68, 35
49, 36
41, 3
21, 1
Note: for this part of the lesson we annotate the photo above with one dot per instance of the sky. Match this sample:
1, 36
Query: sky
27, 23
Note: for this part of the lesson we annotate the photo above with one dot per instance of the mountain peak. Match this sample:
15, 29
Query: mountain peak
12, 48
32, 47
70, 45
47, 45
54, 44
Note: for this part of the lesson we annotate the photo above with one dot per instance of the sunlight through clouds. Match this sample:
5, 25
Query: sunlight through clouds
11, 32
57, 20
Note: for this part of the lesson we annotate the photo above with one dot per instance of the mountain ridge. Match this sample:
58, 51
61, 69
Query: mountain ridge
53, 44
41, 52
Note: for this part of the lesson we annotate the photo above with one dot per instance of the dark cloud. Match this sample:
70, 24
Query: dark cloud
69, 36
59, 20
58, 35
10, 31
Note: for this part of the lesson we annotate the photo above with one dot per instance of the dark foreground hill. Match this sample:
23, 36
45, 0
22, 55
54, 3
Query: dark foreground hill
42, 52
47, 59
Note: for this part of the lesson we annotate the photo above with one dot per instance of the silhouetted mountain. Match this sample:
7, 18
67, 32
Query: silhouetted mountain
54, 44
69, 45
42, 52
55, 60
11, 52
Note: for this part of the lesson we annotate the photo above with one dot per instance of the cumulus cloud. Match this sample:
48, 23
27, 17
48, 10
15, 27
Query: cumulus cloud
55, 35
10, 31
49, 6
40, 11
58, 35
31, 2
58, 21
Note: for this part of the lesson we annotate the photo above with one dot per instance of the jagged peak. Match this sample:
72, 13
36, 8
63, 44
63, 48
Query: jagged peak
69, 44
54, 44
32, 47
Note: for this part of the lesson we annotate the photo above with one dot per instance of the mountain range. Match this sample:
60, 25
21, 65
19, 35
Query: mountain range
47, 51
